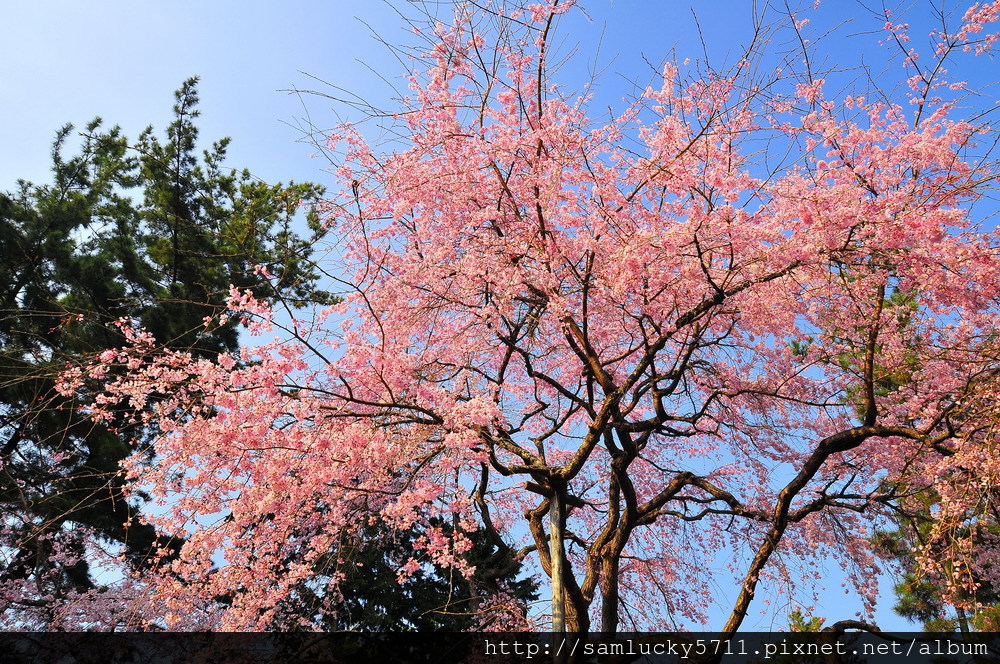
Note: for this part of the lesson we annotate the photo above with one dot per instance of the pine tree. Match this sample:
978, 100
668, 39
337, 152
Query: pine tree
941, 603
151, 232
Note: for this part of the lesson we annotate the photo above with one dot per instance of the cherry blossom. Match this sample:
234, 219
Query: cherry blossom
726, 363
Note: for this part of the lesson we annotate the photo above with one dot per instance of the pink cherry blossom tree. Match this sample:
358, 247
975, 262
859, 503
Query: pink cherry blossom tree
728, 331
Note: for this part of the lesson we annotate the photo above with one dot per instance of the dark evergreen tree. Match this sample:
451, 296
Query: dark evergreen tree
433, 598
152, 232
925, 599
204, 229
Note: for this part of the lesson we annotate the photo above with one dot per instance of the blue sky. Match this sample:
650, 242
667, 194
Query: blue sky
68, 61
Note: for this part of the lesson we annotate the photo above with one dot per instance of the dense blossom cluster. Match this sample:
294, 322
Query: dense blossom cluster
716, 360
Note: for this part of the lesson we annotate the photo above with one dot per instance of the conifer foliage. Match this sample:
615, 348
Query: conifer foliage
152, 232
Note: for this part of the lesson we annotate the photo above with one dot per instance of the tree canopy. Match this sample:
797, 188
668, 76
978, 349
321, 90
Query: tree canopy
720, 334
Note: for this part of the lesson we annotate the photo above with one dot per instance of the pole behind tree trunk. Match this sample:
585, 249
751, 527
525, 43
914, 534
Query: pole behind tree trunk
556, 556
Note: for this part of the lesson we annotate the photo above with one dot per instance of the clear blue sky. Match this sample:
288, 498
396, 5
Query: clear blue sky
68, 61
